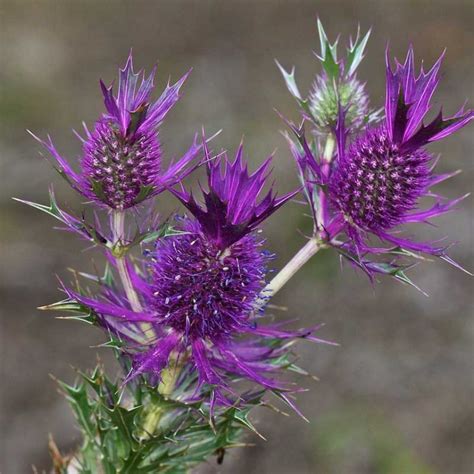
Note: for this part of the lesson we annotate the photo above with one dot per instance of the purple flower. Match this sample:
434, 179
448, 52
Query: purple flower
374, 184
121, 161
204, 289
206, 284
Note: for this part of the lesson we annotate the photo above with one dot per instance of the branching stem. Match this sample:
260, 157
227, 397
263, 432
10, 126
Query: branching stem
311, 248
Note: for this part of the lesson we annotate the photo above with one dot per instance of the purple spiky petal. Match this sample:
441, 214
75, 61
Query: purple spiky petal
233, 207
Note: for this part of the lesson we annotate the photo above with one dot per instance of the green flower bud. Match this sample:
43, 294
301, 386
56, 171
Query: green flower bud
328, 94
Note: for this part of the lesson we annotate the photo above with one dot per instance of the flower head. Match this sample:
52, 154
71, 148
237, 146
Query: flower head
326, 95
375, 183
204, 289
337, 85
121, 161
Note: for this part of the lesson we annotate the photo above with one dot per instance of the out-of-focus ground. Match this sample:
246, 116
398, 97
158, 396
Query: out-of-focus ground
397, 396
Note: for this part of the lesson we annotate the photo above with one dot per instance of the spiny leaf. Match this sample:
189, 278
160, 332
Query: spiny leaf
242, 418
166, 230
71, 222
355, 53
289, 403
79, 401
290, 81
328, 56
65, 305
397, 272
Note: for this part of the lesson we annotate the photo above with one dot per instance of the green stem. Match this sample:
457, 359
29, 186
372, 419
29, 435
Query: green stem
329, 148
169, 376
118, 229
311, 248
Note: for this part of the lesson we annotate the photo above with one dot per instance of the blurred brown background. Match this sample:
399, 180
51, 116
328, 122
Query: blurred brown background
397, 396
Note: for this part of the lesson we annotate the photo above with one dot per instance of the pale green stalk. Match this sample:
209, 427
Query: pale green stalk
118, 229
312, 247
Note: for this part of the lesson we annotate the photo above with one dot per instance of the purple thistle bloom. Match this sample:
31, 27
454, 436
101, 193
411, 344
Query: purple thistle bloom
375, 183
204, 290
121, 162
206, 284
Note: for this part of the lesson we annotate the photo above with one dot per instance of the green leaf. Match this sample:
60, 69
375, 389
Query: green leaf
290, 81
69, 220
79, 401
165, 230
83, 313
143, 193
398, 272
98, 189
328, 56
355, 53
242, 418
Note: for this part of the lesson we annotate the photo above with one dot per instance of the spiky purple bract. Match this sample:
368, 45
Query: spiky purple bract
121, 163
374, 184
233, 207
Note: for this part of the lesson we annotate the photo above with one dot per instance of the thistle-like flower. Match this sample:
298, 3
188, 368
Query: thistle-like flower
121, 160
375, 183
205, 287
336, 85
206, 284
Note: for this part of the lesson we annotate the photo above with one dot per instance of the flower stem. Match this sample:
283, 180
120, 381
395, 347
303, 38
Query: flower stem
311, 248
329, 148
321, 211
118, 228
314, 245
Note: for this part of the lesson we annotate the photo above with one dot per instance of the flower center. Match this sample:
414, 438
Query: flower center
120, 168
377, 183
202, 291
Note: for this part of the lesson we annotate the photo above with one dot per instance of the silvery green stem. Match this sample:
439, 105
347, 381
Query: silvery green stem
118, 228
313, 245
305, 253
118, 231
